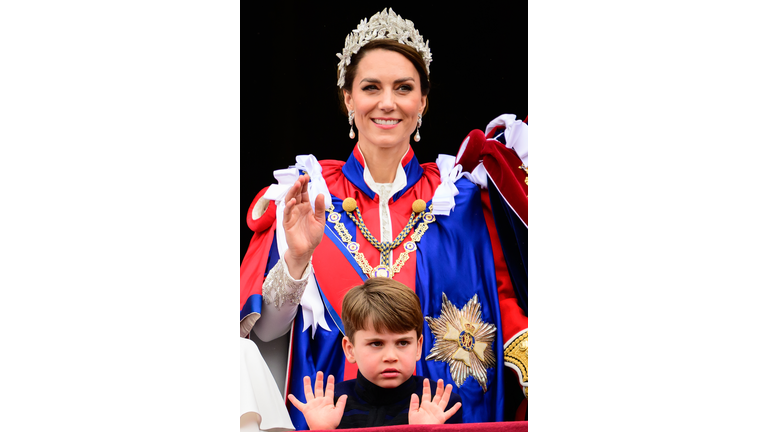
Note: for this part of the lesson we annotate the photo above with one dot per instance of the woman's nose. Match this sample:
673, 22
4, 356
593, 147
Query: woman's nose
387, 102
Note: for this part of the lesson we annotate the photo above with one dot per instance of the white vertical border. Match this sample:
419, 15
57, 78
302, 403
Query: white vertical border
648, 215
119, 165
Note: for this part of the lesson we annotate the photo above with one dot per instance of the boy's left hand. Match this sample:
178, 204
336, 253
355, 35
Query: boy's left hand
432, 411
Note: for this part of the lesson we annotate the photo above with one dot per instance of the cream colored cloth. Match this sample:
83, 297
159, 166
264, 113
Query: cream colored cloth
262, 407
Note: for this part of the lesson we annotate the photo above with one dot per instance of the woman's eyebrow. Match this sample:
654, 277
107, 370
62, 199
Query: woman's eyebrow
377, 81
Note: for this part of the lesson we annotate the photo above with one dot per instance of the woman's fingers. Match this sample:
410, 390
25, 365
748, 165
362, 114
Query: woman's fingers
304, 188
298, 193
298, 190
294, 191
320, 208
291, 199
295, 196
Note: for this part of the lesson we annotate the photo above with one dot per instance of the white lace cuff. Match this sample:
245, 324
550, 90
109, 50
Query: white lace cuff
280, 288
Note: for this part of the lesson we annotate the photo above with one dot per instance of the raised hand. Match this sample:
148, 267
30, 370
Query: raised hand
303, 227
319, 410
432, 411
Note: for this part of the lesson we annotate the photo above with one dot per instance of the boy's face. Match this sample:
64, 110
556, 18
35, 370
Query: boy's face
385, 359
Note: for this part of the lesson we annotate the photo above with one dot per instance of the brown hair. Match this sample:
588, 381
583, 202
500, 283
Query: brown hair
384, 304
390, 45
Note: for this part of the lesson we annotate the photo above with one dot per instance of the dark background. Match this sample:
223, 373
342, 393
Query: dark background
479, 71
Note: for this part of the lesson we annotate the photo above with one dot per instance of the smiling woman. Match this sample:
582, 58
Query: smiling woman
454, 232
386, 101
291, 104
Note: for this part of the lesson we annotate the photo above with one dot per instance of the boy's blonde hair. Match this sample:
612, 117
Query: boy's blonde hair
383, 303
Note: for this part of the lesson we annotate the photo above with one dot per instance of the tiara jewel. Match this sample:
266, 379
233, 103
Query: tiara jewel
383, 25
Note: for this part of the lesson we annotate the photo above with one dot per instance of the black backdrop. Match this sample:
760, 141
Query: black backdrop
479, 71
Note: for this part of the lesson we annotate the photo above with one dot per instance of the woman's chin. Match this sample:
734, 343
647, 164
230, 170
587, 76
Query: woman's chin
387, 142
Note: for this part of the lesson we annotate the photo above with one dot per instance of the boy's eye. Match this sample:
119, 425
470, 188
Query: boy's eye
403, 343
376, 344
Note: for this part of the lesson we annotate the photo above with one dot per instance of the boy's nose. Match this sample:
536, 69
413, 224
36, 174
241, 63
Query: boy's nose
390, 355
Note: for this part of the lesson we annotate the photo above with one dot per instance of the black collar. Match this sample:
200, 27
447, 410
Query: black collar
375, 395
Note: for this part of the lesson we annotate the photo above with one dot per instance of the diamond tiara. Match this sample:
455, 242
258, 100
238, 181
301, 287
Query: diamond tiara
383, 25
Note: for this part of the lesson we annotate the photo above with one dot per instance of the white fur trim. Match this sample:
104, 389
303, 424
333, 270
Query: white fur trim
516, 134
260, 208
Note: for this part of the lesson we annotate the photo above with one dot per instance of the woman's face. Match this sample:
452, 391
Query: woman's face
386, 97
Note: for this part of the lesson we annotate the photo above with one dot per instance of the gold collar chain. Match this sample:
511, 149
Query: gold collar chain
383, 269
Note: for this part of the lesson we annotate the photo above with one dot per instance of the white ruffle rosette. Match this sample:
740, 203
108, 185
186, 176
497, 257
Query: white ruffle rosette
443, 202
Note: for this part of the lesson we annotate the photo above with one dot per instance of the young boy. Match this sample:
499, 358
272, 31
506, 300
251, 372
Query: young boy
383, 324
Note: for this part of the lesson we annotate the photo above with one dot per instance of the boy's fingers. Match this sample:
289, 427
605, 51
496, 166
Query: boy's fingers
438, 391
329, 388
454, 409
414, 406
341, 403
446, 397
319, 385
308, 389
427, 393
299, 406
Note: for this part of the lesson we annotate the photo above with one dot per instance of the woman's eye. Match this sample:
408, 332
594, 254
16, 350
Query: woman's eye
405, 87
369, 87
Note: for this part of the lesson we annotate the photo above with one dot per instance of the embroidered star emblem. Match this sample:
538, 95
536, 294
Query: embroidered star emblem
463, 341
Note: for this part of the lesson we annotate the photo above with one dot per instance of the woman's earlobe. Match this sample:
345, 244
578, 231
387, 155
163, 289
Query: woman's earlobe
348, 101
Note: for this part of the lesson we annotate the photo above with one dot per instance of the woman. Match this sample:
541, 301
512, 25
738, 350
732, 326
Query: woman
381, 213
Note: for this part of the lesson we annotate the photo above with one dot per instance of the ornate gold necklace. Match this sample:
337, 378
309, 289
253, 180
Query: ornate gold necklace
384, 268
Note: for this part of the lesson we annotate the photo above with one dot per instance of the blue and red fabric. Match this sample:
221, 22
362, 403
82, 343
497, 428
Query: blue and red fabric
460, 255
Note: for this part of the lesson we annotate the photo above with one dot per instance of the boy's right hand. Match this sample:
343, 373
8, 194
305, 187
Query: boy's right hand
319, 410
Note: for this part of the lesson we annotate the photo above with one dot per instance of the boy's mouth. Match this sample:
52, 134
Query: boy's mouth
390, 373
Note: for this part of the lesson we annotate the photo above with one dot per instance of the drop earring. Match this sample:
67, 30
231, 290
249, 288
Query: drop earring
351, 128
417, 137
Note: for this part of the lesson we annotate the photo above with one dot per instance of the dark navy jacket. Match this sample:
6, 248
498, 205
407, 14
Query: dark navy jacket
369, 405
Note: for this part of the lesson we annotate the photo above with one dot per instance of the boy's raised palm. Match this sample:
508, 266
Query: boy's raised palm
432, 411
319, 410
